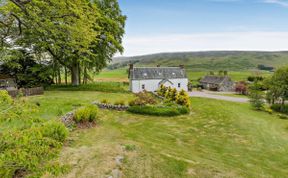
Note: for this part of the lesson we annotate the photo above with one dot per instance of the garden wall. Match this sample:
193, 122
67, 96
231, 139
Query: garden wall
27, 91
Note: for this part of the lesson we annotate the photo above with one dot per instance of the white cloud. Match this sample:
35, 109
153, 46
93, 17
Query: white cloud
263, 41
279, 2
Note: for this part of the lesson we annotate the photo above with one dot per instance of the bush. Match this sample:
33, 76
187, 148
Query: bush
241, 88
120, 103
280, 108
25, 152
5, 98
183, 99
105, 101
86, 114
283, 116
256, 99
162, 91
55, 130
143, 99
159, 111
172, 95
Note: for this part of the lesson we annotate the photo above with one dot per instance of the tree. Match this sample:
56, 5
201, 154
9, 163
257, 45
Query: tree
78, 34
26, 70
256, 99
278, 86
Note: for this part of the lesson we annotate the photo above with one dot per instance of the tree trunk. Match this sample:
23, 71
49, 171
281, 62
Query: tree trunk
75, 73
79, 70
59, 76
85, 76
66, 77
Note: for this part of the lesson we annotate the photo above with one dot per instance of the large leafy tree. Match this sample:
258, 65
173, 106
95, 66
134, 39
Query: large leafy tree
78, 34
26, 70
278, 86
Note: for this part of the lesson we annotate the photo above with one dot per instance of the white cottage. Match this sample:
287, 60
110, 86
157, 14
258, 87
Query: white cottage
151, 78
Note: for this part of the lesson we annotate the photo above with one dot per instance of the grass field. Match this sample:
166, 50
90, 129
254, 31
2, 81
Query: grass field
122, 75
218, 139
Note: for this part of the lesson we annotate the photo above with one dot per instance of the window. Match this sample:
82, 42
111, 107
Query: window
143, 87
179, 85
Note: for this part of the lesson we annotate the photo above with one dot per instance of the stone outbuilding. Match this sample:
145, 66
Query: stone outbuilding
217, 83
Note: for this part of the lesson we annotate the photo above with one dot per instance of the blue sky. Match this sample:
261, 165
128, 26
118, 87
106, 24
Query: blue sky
197, 25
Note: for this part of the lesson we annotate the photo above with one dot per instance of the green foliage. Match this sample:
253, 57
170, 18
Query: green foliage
55, 130
162, 91
120, 103
104, 101
159, 110
143, 98
278, 86
283, 116
27, 143
280, 108
74, 33
256, 99
27, 71
5, 98
25, 150
129, 147
168, 92
86, 114
183, 99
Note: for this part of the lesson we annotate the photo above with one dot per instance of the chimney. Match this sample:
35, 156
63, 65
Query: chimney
181, 66
131, 66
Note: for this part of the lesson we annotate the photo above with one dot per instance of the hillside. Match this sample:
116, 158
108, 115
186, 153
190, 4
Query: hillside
211, 60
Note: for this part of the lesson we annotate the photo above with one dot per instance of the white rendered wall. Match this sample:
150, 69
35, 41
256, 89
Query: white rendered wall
153, 85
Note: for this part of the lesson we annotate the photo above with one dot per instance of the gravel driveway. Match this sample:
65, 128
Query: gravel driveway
218, 97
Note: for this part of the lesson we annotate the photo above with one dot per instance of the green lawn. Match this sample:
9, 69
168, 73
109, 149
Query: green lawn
218, 139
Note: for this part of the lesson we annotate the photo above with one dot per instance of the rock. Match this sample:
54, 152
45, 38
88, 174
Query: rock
119, 160
116, 173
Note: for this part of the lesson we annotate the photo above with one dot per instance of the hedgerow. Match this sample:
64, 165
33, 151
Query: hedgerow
159, 110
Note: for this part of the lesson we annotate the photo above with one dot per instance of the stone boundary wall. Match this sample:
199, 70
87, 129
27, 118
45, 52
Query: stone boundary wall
111, 106
27, 91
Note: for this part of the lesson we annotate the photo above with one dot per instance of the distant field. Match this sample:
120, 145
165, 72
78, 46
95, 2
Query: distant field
122, 75
118, 75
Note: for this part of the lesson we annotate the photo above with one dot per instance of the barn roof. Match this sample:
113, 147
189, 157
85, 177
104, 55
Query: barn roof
211, 79
143, 73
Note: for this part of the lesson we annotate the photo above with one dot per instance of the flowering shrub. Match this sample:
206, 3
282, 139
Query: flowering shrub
183, 99
143, 99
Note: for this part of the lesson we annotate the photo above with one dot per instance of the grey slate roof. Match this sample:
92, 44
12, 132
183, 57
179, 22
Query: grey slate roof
143, 73
210, 79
